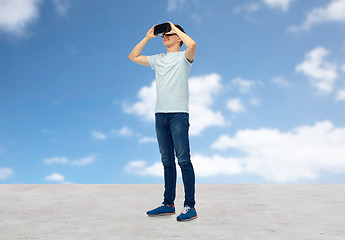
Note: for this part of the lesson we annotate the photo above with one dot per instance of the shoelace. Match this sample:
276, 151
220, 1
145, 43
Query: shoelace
186, 209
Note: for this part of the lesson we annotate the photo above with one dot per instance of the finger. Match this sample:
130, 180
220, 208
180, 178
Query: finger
171, 25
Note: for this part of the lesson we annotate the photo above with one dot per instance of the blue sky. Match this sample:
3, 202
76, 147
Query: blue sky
267, 91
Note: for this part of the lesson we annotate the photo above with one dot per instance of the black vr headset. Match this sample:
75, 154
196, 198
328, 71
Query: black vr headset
161, 29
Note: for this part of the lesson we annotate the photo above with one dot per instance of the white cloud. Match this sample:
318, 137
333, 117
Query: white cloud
243, 85
63, 160
343, 68
202, 91
255, 102
203, 166
223, 143
58, 160
146, 106
61, 6
256, 6
5, 173
147, 140
283, 4
211, 166
126, 132
333, 12
280, 80
302, 153
83, 161
16, 15
56, 177
340, 95
235, 105
248, 7
322, 73
96, 135
174, 5
140, 168
123, 132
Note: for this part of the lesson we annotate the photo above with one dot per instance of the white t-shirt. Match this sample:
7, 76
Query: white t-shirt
172, 70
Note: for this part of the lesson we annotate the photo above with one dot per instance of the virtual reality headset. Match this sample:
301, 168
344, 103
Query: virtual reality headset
161, 29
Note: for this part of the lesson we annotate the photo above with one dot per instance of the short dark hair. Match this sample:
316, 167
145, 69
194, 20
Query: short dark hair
179, 27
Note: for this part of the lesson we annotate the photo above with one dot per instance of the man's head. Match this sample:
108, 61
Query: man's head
171, 39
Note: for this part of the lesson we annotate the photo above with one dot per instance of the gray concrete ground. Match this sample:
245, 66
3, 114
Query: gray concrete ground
229, 211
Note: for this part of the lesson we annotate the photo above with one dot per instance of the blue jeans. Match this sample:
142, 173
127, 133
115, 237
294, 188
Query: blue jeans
172, 135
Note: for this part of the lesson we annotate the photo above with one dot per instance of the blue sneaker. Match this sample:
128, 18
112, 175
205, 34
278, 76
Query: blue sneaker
162, 210
187, 214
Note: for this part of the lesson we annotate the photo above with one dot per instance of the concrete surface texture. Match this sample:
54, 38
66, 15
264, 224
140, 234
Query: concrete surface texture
229, 211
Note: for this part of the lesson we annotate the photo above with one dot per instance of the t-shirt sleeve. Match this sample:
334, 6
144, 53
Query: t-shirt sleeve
188, 63
152, 61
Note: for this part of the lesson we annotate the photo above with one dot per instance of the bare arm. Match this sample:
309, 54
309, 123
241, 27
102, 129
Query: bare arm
135, 54
187, 40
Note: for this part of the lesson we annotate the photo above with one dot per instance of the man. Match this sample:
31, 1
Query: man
172, 117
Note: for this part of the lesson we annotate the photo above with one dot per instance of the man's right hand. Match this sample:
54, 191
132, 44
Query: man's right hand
150, 34
135, 55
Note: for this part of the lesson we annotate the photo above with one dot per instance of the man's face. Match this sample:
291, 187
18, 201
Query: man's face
170, 40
